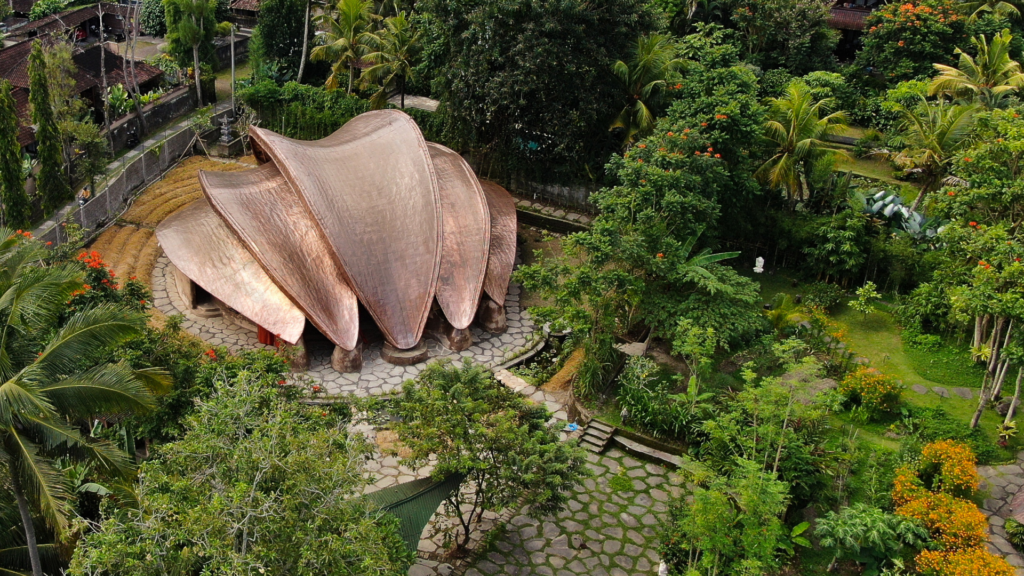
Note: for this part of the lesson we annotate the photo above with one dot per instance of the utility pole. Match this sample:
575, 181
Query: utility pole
232, 71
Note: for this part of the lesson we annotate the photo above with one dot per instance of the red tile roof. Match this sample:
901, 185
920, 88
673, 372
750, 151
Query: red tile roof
116, 67
250, 5
14, 65
848, 18
68, 19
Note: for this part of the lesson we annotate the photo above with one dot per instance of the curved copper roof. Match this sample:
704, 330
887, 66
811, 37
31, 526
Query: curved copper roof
372, 213
208, 252
372, 189
502, 255
466, 225
269, 217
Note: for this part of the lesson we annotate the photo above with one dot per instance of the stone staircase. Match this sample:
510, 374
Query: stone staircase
596, 436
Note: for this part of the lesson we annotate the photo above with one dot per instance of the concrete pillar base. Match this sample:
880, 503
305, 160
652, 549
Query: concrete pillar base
449, 336
300, 358
399, 357
348, 360
491, 316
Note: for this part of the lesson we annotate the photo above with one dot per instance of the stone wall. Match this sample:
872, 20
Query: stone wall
222, 47
575, 196
143, 166
172, 105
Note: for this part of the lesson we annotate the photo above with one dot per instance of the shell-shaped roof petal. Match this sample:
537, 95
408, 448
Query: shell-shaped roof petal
266, 214
466, 224
202, 246
503, 240
371, 187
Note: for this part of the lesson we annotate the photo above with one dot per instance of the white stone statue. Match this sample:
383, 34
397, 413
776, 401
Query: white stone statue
759, 265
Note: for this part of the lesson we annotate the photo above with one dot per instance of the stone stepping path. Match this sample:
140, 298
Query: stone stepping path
602, 532
965, 393
1002, 483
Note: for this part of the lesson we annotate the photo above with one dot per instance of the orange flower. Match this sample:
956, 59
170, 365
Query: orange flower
660, 255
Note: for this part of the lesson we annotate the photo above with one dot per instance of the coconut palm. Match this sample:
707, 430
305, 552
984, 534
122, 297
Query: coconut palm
930, 137
344, 39
52, 380
390, 57
1007, 8
798, 126
643, 80
988, 79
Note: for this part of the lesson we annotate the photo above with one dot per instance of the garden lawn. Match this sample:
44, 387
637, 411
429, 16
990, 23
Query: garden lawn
877, 338
223, 84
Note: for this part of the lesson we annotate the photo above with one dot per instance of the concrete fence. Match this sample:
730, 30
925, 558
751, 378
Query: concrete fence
124, 178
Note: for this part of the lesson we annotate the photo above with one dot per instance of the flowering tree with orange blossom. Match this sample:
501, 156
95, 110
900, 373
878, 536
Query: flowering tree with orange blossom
904, 41
956, 525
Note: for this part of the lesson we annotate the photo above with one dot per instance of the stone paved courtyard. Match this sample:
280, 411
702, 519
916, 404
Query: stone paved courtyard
602, 532
1002, 484
378, 376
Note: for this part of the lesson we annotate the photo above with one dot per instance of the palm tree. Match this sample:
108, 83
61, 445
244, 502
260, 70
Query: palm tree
931, 135
46, 386
344, 39
390, 58
799, 130
189, 17
643, 80
987, 79
1007, 8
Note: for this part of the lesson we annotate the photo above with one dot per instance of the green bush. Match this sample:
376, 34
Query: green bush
152, 18
299, 111
823, 295
1014, 533
644, 392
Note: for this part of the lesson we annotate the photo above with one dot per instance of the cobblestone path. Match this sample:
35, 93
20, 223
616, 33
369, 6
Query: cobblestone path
1002, 483
602, 532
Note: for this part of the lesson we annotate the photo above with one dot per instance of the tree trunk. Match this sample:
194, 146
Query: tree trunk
30, 529
403, 92
134, 28
103, 78
991, 372
195, 64
1016, 399
305, 44
351, 76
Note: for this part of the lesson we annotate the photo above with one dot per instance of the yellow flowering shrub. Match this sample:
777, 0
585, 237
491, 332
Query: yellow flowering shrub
955, 524
951, 465
906, 486
874, 390
975, 561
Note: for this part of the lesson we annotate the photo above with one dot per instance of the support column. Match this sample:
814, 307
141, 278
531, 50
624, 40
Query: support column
491, 316
452, 338
348, 360
300, 357
399, 357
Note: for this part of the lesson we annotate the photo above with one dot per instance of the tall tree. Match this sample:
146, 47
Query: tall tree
989, 79
346, 32
281, 28
54, 378
525, 83
190, 29
644, 78
50, 184
17, 210
259, 483
390, 58
931, 136
798, 128
485, 432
